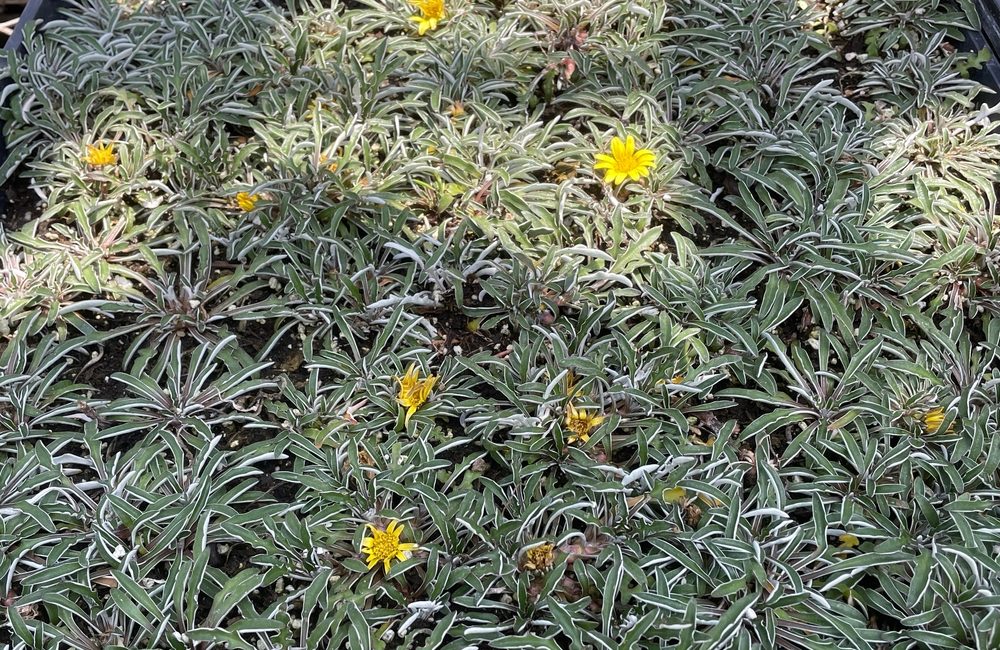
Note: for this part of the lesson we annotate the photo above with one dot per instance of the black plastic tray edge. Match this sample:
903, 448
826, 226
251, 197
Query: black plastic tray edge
42, 10
988, 36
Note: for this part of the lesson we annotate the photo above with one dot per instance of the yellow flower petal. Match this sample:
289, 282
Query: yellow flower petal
604, 161
617, 148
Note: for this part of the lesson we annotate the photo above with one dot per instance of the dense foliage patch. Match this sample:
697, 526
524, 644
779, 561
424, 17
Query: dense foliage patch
327, 333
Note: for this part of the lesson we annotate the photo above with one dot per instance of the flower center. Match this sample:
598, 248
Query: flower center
540, 556
628, 161
383, 546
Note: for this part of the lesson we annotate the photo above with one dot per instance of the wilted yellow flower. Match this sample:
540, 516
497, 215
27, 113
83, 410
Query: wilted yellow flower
676, 495
581, 423
247, 201
431, 11
384, 545
933, 419
414, 391
847, 540
365, 463
625, 161
100, 155
365, 459
539, 558
331, 167
571, 389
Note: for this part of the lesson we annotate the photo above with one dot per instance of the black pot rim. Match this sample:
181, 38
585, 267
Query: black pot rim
33, 10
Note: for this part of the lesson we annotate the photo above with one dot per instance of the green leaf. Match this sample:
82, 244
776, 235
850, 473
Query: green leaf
234, 591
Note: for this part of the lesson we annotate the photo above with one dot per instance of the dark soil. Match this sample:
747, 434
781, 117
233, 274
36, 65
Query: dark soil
98, 376
458, 334
18, 204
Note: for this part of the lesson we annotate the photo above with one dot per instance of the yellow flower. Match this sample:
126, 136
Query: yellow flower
539, 558
696, 440
676, 495
933, 419
414, 391
100, 155
625, 161
571, 389
581, 423
677, 379
332, 167
431, 11
384, 545
247, 201
848, 540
